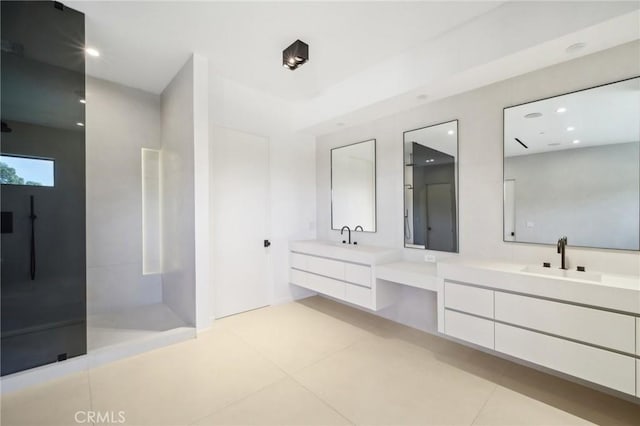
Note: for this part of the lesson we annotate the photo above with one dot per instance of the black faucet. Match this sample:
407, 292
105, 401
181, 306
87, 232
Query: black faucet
562, 243
355, 230
342, 231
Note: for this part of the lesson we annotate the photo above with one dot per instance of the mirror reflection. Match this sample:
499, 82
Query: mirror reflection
572, 168
353, 186
430, 187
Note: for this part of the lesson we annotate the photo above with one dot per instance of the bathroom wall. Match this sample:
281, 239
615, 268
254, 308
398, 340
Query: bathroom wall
120, 121
178, 210
480, 148
292, 175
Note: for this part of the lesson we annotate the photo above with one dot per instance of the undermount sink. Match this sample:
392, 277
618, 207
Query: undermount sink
563, 273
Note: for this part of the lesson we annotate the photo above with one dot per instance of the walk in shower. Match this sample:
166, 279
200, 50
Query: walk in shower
42, 168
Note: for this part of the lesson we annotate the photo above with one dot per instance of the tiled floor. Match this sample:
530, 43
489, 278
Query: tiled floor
316, 362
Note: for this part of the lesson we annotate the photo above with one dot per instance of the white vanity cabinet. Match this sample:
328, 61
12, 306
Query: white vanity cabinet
344, 273
588, 342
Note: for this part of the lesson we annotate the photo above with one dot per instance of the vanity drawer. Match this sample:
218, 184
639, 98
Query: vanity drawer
469, 328
358, 274
600, 366
602, 328
324, 285
326, 267
477, 301
357, 295
297, 277
298, 261
638, 341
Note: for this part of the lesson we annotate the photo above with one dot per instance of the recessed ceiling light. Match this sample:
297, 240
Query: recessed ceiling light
83, 101
575, 47
430, 160
92, 52
80, 124
450, 132
570, 129
561, 110
576, 141
533, 115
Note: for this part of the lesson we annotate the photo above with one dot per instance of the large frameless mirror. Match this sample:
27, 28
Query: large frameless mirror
431, 187
353, 186
572, 168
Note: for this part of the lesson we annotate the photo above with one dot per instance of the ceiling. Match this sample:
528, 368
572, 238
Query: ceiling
144, 44
600, 116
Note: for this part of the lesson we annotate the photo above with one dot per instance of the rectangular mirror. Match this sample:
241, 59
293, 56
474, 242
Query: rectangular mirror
572, 168
431, 187
353, 186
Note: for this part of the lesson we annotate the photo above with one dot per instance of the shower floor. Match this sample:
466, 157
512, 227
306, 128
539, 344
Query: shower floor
137, 323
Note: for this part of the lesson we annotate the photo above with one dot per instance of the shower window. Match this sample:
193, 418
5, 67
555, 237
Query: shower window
30, 171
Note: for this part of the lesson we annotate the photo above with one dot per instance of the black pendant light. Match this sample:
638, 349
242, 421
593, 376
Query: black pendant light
295, 55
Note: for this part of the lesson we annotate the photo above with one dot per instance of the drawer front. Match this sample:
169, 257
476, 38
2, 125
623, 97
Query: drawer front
298, 261
468, 328
357, 295
638, 378
606, 368
325, 285
478, 301
297, 277
608, 329
638, 341
327, 267
358, 274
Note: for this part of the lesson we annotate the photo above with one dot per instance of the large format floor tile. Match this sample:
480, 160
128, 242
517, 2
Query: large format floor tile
316, 362
51, 404
281, 404
184, 382
293, 335
389, 383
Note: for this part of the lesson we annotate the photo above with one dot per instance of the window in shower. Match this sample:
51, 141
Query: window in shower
30, 171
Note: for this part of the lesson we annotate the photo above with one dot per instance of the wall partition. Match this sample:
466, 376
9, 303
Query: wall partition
42, 172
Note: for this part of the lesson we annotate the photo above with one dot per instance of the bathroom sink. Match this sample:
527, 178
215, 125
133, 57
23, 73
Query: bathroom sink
563, 273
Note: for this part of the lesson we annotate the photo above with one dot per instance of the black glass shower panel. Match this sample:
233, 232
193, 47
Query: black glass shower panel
42, 191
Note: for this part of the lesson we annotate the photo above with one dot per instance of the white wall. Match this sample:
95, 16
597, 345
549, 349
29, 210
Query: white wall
480, 140
292, 170
120, 122
178, 208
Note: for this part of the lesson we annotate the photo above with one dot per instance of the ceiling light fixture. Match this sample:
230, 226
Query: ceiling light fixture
561, 110
83, 101
295, 55
570, 129
450, 132
576, 141
92, 52
80, 124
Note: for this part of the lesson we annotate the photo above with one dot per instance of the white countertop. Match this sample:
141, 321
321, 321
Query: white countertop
616, 292
356, 253
415, 274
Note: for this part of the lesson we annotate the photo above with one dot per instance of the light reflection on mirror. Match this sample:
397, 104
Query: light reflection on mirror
353, 186
572, 168
431, 187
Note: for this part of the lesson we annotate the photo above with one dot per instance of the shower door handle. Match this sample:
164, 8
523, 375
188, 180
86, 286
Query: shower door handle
32, 264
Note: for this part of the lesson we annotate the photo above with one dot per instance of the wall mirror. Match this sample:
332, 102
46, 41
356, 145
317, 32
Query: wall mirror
572, 168
353, 186
431, 187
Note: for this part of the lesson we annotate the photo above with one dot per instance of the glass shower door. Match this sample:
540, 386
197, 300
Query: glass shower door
42, 172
